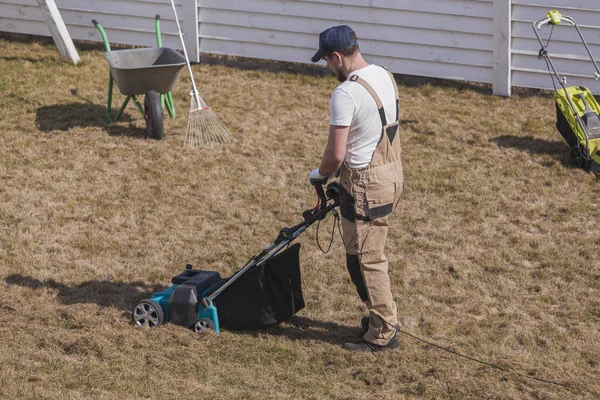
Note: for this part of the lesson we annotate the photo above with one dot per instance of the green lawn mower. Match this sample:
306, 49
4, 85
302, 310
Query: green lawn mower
577, 111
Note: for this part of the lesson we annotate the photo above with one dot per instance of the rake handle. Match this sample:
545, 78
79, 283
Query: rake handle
187, 60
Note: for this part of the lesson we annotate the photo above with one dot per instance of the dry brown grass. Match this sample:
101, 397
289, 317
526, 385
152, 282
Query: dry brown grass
493, 253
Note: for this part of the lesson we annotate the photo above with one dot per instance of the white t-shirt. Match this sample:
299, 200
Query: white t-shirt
352, 105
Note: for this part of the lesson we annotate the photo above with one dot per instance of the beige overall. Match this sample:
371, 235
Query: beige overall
369, 195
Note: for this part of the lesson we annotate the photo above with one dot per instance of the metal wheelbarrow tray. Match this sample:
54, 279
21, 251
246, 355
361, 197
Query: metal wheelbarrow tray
137, 71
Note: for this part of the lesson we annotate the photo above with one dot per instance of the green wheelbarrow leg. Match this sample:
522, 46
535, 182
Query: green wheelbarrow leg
170, 105
109, 103
137, 104
109, 118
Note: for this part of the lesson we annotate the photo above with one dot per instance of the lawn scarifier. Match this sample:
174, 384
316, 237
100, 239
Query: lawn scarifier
270, 291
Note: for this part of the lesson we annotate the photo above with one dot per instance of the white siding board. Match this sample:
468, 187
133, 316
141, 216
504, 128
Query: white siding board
588, 17
557, 49
562, 4
369, 47
472, 8
349, 14
562, 65
540, 80
401, 34
402, 66
129, 22
20, 26
108, 20
565, 34
451, 38
436, 69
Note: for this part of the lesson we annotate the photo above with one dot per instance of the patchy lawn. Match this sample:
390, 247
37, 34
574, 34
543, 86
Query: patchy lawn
494, 251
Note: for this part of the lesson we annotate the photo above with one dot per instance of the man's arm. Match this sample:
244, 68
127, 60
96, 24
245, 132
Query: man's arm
335, 151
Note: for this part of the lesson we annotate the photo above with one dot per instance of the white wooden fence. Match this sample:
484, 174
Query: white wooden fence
488, 41
129, 22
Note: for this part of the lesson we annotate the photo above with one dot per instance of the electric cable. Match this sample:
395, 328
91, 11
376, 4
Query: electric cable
544, 54
489, 364
336, 220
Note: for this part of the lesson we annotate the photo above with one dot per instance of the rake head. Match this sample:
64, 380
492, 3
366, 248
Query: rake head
204, 127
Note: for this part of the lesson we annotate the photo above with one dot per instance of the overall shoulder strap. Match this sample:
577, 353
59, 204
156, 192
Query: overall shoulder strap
363, 83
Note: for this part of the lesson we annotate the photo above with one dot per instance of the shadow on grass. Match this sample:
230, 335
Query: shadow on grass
558, 150
63, 117
304, 328
121, 295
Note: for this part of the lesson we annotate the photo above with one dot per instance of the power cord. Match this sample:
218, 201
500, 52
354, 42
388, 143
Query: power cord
495, 366
544, 54
336, 221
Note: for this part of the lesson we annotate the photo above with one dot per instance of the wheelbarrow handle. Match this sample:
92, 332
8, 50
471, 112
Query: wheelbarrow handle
102, 34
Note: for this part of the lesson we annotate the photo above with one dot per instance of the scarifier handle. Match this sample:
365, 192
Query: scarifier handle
311, 216
286, 235
321, 194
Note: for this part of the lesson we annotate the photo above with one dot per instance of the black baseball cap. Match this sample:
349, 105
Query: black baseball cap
333, 39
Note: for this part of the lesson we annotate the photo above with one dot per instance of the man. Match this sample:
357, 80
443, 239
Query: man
364, 143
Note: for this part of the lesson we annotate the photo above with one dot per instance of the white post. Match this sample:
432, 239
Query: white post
189, 25
59, 31
502, 47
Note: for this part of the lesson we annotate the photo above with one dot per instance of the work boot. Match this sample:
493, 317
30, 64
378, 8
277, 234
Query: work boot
365, 346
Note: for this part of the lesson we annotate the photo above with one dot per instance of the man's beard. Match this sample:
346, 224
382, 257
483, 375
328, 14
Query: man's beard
340, 75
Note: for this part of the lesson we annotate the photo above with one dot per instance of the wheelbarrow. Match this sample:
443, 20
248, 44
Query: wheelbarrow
151, 72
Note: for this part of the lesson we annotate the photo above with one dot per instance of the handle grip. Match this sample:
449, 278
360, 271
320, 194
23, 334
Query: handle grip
540, 22
321, 193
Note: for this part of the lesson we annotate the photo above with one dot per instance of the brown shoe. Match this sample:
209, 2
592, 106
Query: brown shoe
365, 346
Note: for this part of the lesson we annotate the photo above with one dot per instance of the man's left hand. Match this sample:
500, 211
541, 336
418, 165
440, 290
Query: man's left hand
316, 177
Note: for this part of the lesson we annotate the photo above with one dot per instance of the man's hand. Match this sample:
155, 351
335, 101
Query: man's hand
316, 177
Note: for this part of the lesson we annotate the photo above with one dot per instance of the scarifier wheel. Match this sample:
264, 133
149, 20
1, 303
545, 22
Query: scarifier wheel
147, 314
204, 325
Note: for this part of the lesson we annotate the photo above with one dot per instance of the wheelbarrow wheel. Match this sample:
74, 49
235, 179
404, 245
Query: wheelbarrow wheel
147, 314
204, 325
153, 113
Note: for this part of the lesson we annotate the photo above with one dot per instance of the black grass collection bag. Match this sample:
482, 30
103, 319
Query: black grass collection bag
265, 295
